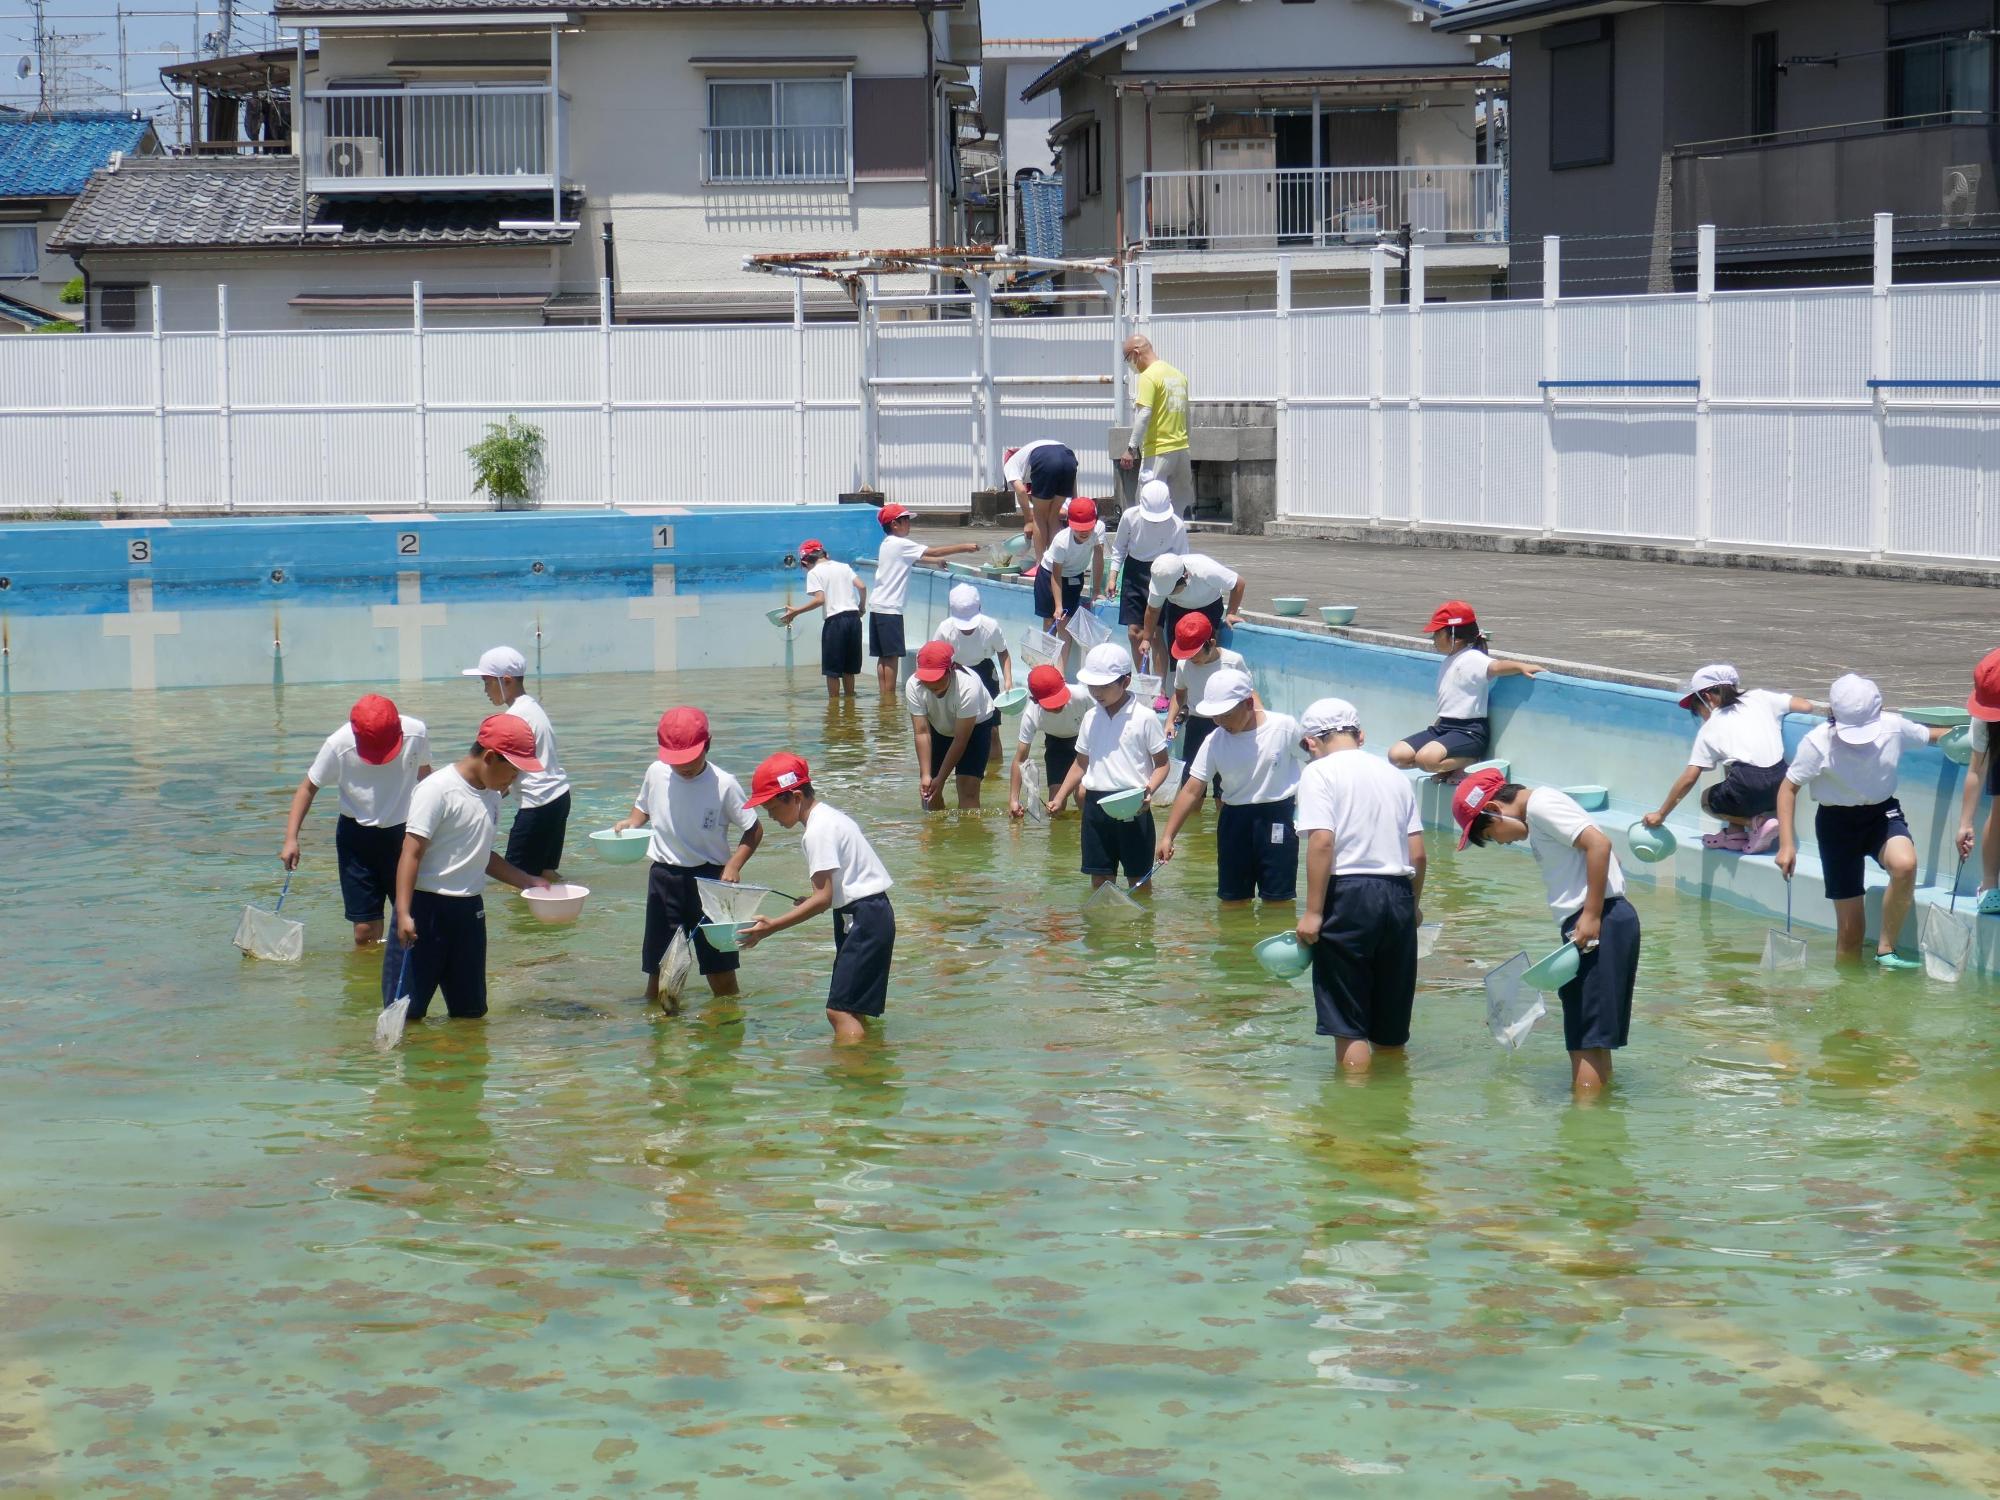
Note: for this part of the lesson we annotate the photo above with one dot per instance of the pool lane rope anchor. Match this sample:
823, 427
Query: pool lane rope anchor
395, 1013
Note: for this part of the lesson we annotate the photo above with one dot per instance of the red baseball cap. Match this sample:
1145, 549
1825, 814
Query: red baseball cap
378, 729
812, 545
1471, 798
683, 735
1046, 687
891, 513
1985, 700
1082, 513
934, 662
1451, 612
1191, 635
512, 738
780, 773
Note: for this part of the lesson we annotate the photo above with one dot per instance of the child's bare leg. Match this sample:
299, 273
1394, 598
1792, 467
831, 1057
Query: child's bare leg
833, 687
968, 792
1989, 851
1850, 925
1353, 1053
1400, 754
847, 1027
723, 984
367, 934
1590, 1070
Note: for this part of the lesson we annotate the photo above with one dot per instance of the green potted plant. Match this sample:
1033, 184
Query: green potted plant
507, 463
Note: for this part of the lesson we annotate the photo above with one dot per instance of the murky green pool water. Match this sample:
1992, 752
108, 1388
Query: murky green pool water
1096, 1219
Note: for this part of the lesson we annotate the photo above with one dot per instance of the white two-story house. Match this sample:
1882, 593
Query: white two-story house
1213, 136
510, 156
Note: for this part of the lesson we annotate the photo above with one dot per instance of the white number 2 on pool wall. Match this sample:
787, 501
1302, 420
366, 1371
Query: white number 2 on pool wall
663, 536
407, 544
139, 550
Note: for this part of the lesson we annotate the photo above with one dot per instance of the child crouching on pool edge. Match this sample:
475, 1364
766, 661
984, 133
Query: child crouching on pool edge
848, 879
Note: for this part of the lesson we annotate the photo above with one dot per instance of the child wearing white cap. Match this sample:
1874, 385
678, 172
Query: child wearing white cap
978, 642
1364, 882
1742, 733
1192, 583
1256, 756
1850, 762
833, 586
1119, 746
1055, 711
535, 842
1146, 532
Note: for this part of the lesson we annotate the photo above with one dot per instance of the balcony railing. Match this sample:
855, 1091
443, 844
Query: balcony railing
775, 154
444, 139
1325, 207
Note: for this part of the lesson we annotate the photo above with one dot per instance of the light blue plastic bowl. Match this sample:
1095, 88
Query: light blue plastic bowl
1589, 798
1554, 970
1957, 746
1339, 614
1012, 701
1123, 806
721, 935
1651, 845
776, 616
622, 846
1283, 956
1289, 604
1504, 767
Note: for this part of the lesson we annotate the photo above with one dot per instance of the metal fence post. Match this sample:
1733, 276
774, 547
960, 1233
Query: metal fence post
1551, 370
225, 422
799, 389
1378, 287
1416, 316
1882, 362
1284, 403
871, 411
418, 383
989, 417
1121, 390
159, 403
1704, 369
607, 467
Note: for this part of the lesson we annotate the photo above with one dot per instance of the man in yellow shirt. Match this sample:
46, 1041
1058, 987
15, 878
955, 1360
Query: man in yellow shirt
1159, 442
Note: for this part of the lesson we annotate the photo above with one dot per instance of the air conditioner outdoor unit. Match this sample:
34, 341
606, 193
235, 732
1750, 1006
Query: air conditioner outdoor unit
353, 156
1961, 193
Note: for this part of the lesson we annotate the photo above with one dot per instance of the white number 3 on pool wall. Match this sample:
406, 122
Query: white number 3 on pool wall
408, 544
139, 550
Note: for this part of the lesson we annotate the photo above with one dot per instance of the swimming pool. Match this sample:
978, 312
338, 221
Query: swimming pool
1097, 1218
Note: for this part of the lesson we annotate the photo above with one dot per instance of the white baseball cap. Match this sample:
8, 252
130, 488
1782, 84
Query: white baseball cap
1857, 705
964, 604
1168, 571
1719, 675
1226, 688
1104, 665
501, 661
1329, 716
1156, 501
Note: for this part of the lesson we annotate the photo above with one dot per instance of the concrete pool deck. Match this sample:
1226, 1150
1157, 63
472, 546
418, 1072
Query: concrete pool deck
1659, 620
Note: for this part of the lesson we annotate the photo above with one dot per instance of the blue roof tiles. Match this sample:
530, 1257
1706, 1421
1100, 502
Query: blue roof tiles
51, 155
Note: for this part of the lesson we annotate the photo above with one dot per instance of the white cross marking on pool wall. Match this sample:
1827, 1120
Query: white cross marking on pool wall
407, 617
666, 610
143, 626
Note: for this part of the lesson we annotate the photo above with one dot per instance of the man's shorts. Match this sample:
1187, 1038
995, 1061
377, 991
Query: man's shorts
1176, 471
367, 858
535, 842
1851, 836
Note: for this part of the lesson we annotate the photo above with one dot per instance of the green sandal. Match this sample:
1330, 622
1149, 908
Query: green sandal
1897, 961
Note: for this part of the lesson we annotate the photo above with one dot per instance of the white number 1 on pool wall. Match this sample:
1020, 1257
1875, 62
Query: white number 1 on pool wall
139, 550
407, 544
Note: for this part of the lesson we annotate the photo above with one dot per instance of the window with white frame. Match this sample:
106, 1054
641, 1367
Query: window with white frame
18, 251
777, 130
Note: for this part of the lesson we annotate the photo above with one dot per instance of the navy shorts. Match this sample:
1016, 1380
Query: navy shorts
535, 842
1133, 589
1364, 965
1058, 755
1194, 729
989, 676
1045, 595
1109, 845
367, 858
1993, 774
978, 752
885, 635
1463, 739
1051, 472
840, 644
1171, 615
1851, 836
1746, 791
450, 955
1597, 1004
673, 903
864, 942
1256, 852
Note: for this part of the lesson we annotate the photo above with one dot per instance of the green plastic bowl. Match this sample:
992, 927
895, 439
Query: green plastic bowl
1291, 604
1123, 806
1012, 701
1651, 845
1339, 614
721, 935
1016, 544
622, 846
1950, 718
1957, 745
1589, 798
776, 616
1504, 767
1554, 970
1283, 956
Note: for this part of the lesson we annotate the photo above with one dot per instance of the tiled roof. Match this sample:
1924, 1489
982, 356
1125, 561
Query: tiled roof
53, 155
197, 203
288, 8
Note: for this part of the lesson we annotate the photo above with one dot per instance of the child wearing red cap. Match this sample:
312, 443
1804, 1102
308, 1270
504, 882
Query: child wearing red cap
447, 858
1586, 891
1077, 548
691, 805
893, 561
1461, 733
376, 759
1055, 712
1197, 657
848, 879
833, 586
1983, 775
949, 707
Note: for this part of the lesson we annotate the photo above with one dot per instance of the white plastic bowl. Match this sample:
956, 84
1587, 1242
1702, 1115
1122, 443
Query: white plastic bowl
556, 903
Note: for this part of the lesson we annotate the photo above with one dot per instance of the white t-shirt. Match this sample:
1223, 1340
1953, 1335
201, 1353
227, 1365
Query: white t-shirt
898, 554
964, 697
1207, 582
1069, 554
833, 841
1368, 806
1464, 684
1120, 746
1844, 775
1057, 724
984, 641
1142, 540
1555, 822
835, 580
374, 796
1752, 733
459, 820
1261, 764
692, 815
1015, 470
1191, 677
538, 788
